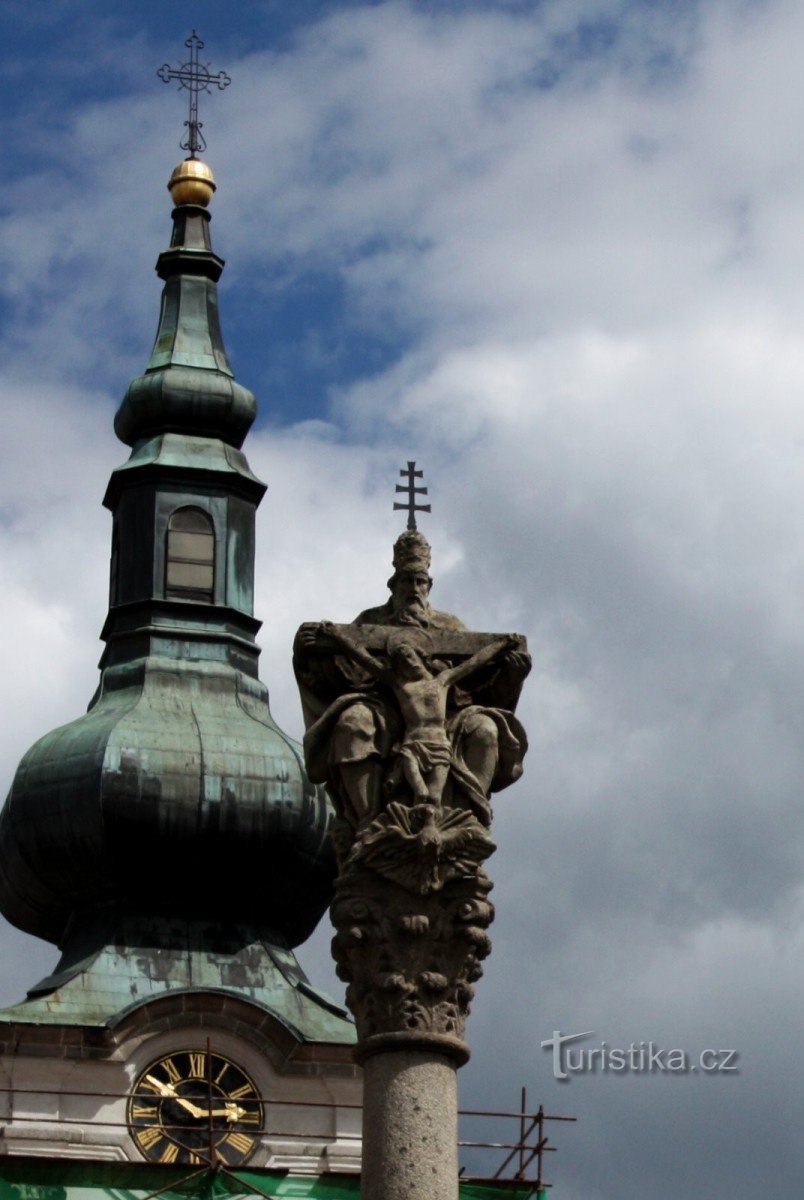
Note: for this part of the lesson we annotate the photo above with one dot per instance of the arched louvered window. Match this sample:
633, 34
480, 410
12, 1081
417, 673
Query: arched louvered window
190, 558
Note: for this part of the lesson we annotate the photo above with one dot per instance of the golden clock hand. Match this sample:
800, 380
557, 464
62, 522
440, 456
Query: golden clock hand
165, 1089
191, 1108
169, 1092
232, 1112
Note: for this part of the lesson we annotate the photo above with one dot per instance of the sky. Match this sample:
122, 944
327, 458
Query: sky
554, 252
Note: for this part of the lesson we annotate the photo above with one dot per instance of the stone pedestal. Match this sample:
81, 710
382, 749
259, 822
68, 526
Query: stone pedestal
410, 1126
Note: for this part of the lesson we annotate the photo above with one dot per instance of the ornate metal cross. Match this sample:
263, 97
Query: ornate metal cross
412, 507
195, 77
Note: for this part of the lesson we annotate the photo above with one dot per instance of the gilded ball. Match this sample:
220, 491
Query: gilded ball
192, 182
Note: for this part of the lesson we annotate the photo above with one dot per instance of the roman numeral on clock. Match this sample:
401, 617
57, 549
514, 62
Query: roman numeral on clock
149, 1137
240, 1141
173, 1073
143, 1112
198, 1065
221, 1073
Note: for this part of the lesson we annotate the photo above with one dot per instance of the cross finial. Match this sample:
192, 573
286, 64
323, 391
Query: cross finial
195, 77
412, 507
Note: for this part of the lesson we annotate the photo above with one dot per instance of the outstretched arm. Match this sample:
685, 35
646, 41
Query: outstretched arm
358, 653
481, 659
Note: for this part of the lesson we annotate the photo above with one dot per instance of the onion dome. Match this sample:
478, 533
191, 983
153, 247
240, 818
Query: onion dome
176, 794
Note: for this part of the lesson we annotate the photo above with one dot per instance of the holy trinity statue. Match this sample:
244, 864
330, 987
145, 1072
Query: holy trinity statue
410, 723
406, 704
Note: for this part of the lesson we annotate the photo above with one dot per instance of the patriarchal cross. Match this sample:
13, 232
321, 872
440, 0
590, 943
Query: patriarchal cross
411, 474
195, 77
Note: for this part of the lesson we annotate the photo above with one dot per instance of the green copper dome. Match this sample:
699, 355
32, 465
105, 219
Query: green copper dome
176, 794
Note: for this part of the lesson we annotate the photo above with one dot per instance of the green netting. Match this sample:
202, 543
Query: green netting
63, 1180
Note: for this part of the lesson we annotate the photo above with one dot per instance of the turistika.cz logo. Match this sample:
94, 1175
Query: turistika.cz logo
646, 1058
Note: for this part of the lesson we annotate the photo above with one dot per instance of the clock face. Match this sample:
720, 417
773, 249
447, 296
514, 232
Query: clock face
195, 1107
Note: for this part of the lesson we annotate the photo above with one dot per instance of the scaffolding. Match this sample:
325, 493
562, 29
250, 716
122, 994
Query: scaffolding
519, 1173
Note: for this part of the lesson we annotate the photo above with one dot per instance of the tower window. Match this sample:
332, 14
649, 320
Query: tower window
190, 559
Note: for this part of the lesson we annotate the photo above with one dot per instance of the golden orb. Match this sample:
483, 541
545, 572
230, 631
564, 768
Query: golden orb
192, 182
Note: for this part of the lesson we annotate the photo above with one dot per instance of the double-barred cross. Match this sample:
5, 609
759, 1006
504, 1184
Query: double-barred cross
195, 77
411, 506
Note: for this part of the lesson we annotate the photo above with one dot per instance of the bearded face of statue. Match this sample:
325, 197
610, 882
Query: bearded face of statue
410, 590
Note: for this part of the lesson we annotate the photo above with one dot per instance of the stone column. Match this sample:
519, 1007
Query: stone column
410, 952
410, 1126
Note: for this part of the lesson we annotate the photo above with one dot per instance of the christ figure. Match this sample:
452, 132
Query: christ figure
425, 753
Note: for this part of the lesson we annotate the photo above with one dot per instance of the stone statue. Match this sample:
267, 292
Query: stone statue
358, 712
410, 584
424, 755
409, 722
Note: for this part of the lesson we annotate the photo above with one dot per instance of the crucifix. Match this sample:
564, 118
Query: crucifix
411, 506
195, 77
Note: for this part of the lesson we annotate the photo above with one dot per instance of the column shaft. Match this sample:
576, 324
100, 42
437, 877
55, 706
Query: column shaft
410, 1127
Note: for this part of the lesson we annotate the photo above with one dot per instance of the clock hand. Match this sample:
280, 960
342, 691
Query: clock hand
165, 1089
191, 1108
169, 1092
232, 1112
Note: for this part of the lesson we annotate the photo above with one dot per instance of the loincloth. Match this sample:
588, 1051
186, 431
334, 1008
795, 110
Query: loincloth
426, 753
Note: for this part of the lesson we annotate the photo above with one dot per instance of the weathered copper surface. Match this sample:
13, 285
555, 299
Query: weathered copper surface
175, 795
188, 385
115, 963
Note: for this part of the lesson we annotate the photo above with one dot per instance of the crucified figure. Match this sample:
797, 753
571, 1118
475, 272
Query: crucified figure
425, 753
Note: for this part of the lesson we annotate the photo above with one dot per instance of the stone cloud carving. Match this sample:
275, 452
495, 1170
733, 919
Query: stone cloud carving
410, 723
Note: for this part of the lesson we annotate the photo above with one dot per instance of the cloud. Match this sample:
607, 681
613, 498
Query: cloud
577, 229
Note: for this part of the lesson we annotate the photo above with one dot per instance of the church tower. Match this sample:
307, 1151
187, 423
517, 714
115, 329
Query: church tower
169, 842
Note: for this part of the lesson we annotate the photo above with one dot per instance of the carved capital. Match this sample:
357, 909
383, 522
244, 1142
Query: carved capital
410, 957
